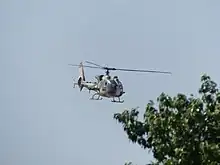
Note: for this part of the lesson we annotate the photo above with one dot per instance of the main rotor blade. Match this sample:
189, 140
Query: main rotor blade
120, 69
137, 70
85, 66
131, 70
94, 64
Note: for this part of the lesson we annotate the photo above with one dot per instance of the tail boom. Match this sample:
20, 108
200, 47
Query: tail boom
81, 82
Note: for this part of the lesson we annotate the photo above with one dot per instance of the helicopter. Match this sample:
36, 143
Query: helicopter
105, 85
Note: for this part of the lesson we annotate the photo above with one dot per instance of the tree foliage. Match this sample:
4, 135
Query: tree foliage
179, 130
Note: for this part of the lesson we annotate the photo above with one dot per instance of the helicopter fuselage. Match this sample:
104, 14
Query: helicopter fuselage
110, 87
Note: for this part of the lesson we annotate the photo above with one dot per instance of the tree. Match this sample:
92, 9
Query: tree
179, 130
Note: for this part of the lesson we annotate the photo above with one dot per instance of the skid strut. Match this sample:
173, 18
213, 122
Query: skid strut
93, 97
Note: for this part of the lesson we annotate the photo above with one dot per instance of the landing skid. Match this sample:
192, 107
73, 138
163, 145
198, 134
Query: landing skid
100, 98
114, 101
119, 100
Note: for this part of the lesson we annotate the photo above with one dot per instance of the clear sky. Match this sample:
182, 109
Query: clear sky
44, 121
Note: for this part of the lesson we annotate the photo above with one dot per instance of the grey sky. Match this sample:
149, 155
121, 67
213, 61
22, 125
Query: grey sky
43, 121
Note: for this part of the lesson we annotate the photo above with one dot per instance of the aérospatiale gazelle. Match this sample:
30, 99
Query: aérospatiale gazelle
106, 85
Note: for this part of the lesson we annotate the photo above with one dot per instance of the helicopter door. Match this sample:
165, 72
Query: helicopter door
104, 86
113, 85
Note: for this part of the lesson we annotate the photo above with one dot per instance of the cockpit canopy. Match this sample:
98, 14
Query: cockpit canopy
108, 77
99, 77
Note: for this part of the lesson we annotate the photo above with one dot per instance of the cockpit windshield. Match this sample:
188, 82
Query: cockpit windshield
108, 77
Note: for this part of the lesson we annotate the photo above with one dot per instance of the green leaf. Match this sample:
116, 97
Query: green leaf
179, 130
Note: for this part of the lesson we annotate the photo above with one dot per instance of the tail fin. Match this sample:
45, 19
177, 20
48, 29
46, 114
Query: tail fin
81, 76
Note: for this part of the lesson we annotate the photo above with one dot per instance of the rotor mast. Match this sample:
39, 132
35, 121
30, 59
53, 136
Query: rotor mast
107, 72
